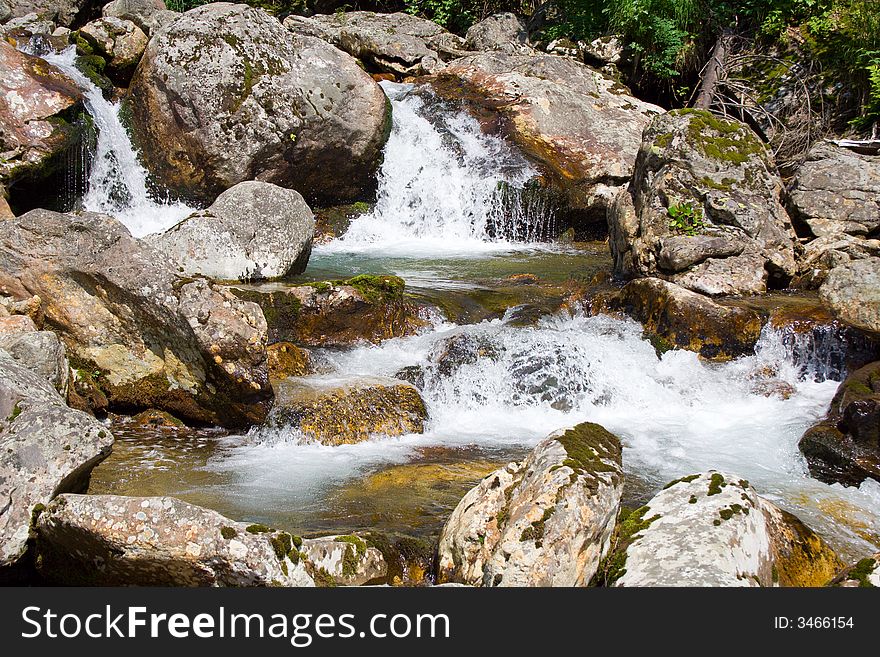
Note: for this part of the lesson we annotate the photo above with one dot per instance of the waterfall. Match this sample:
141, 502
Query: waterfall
117, 183
445, 186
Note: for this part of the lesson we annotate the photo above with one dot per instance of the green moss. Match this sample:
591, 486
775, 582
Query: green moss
356, 541
591, 449
228, 533
725, 185
719, 138
16, 411
629, 523
297, 541
257, 529
716, 482
36, 511
734, 509
323, 579
858, 388
535, 531
693, 499
683, 480
862, 571
349, 562
281, 544
663, 140
377, 288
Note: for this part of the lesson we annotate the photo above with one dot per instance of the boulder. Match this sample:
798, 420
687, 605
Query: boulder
339, 412
823, 254
112, 540
398, 43
865, 573
46, 448
148, 15
152, 339
41, 352
39, 112
713, 529
365, 308
675, 317
582, 129
120, 42
254, 230
286, 360
836, 191
546, 521
504, 32
224, 93
845, 446
703, 209
852, 292
19, 30
63, 12
343, 560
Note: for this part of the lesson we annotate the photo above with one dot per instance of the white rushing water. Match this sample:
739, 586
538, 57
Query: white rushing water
117, 182
445, 187
676, 414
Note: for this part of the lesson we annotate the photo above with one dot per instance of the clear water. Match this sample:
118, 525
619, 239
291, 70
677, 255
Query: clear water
117, 183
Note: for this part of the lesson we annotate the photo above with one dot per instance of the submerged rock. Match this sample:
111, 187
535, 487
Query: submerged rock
39, 110
580, 127
845, 446
337, 412
713, 529
149, 338
338, 313
254, 230
837, 192
703, 209
398, 43
675, 317
852, 291
225, 93
345, 560
46, 448
112, 540
546, 521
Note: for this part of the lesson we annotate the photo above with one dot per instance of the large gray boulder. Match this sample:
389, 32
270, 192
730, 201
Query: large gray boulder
254, 230
713, 529
46, 448
112, 540
837, 191
703, 209
581, 128
148, 15
504, 32
546, 521
41, 352
156, 339
852, 292
39, 108
224, 93
396, 43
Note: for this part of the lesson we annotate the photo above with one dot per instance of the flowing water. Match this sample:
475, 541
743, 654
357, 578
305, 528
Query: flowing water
456, 218
117, 184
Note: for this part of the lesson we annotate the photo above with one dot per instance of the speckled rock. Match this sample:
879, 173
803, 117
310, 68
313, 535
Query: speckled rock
112, 540
865, 573
5, 11
852, 292
504, 32
823, 254
335, 412
43, 353
120, 42
343, 560
254, 230
703, 209
713, 529
39, 106
836, 192
679, 318
224, 93
546, 521
123, 313
397, 43
286, 360
365, 308
582, 128
46, 448
148, 15
845, 446
63, 12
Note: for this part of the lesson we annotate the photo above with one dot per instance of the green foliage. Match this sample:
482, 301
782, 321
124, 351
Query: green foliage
686, 218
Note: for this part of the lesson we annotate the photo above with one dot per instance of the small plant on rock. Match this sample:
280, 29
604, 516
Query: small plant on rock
686, 218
